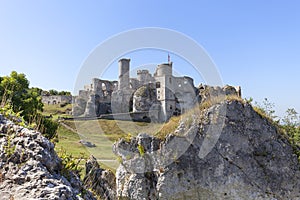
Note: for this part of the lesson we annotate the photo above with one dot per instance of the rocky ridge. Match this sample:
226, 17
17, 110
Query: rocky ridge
229, 152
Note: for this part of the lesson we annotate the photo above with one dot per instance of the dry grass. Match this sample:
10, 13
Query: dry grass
168, 127
1, 177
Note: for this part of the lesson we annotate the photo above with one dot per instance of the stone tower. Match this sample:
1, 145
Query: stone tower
121, 98
165, 89
164, 69
123, 74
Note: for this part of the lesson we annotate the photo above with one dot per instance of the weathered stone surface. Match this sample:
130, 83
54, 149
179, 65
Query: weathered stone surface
248, 159
144, 98
30, 168
102, 182
87, 143
207, 92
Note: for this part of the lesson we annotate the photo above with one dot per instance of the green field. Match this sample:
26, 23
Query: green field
103, 133
56, 110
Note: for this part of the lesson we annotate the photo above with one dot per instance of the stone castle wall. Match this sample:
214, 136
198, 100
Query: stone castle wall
56, 99
162, 94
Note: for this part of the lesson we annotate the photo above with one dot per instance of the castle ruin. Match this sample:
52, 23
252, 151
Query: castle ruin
56, 99
156, 97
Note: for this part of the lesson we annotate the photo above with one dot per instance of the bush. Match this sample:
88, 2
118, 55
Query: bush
70, 162
46, 126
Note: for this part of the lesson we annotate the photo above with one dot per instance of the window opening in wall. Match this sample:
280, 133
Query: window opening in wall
103, 86
157, 84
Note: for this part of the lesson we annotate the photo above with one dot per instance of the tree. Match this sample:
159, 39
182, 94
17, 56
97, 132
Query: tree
53, 92
64, 93
13, 89
32, 103
15, 93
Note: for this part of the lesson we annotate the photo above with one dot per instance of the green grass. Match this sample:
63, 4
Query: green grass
102, 133
69, 140
56, 110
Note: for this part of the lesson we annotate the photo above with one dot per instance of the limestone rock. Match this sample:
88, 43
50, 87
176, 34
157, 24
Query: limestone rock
207, 92
87, 143
247, 159
102, 182
30, 168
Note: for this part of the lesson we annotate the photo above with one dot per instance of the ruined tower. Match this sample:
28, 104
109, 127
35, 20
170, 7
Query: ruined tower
123, 74
121, 97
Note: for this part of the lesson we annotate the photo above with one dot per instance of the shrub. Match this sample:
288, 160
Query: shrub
70, 162
141, 149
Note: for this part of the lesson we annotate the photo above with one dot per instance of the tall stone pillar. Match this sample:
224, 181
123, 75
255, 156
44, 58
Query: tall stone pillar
124, 74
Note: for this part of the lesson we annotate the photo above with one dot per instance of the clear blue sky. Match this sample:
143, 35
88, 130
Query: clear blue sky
255, 44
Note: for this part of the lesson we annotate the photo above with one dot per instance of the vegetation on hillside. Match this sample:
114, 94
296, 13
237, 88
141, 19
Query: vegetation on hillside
55, 92
288, 126
55, 111
23, 104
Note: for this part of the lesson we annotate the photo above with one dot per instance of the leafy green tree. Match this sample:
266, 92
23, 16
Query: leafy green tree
13, 89
64, 93
25, 102
32, 103
39, 91
53, 92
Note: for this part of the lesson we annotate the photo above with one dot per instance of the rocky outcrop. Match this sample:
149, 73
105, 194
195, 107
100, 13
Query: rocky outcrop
227, 152
30, 168
102, 182
207, 92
